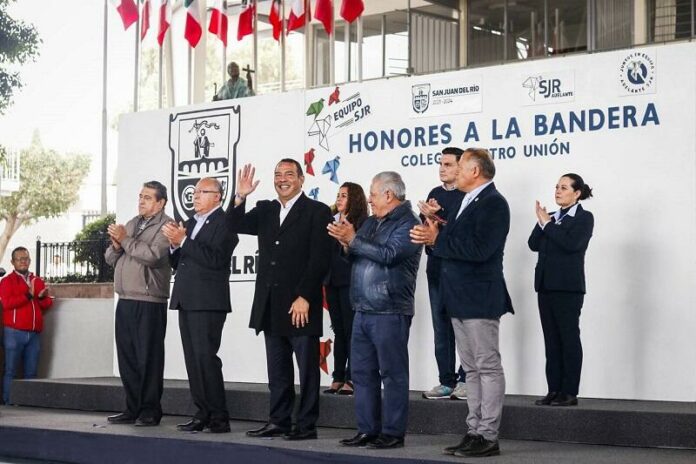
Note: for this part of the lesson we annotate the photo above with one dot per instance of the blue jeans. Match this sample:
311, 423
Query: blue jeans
379, 355
443, 335
19, 344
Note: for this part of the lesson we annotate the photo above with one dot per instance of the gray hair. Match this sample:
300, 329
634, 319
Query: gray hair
391, 181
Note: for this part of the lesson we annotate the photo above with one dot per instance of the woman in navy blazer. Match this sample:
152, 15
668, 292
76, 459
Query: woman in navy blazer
561, 239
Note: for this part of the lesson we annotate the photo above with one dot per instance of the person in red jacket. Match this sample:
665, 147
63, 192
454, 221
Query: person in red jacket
24, 297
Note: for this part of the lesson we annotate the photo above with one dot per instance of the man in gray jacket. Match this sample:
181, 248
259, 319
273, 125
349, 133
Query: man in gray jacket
139, 253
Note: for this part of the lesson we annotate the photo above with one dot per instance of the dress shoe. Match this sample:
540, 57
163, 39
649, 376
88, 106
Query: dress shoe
147, 421
545, 401
563, 399
480, 449
268, 430
123, 418
346, 389
361, 439
386, 442
335, 387
194, 425
465, 445
301, 434
219, 426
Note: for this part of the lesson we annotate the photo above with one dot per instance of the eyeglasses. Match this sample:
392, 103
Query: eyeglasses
23, 259
199, 191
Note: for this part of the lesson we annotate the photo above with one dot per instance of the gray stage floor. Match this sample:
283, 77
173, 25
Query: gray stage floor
425, 447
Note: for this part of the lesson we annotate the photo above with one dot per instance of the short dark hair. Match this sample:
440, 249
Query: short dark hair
19, 248
484, 161
579, 184
456, 152
159, 188
298, 166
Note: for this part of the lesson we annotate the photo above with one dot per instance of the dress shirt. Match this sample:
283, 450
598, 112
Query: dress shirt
285, 210
471, 196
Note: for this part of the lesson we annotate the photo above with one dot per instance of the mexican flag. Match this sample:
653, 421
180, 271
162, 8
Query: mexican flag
298, 15
145, 23
128, 11
193, 29
218, 21
165, 19
246, 19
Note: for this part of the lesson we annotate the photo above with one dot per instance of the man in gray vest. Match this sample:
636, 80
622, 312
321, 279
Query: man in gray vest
139, 253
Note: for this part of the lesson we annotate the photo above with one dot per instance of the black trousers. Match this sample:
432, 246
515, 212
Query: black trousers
342, 315
201, 333
560, 321
140, 330
281, 379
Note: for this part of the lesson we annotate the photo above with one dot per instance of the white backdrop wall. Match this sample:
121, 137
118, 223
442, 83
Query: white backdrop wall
625, 121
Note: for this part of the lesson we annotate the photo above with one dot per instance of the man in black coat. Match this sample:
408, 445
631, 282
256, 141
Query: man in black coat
200, 254
294, 257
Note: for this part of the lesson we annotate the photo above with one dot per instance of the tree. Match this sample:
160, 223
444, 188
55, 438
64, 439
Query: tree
91, 244
49, 185
19, 42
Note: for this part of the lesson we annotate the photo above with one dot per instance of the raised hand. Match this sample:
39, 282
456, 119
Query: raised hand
245, 180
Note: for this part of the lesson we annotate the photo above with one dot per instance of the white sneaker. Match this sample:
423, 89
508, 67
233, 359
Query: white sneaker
438, 392
459, 392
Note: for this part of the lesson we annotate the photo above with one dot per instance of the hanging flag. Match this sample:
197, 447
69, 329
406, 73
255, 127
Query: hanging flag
193, 29
351, 9
128, 11
246, 19
218, 21
145, 22
323, 12
165, 19
274, 19
297, 17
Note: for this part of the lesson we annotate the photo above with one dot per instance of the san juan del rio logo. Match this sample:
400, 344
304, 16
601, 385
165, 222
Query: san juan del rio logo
203, 144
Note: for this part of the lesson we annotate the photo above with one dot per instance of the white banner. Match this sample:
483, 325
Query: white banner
602, 116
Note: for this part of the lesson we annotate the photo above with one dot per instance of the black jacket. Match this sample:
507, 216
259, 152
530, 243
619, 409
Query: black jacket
293, 261
472, 284
561, 247
202, 266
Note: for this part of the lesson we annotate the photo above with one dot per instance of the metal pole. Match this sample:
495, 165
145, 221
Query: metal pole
505, 31
409, 68
557, 38
282, 46
546, 27
161, 79
359, 38
103, 125
332, 47
307, 58
224, 49
346, 39
532, 27
384, 45
256, 42
190, 77
693, 18
136, 77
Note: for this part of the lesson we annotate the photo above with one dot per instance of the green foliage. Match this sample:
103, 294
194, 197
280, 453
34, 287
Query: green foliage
49, 184
19, 42
74, 278
91, 244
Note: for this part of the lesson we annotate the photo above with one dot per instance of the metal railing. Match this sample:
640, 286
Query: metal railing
77, 261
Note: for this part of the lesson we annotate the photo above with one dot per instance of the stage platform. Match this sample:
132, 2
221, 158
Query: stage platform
593, 421
66, 436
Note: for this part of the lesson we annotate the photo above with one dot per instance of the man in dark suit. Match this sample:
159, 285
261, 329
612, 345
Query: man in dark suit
473, 290
294, 257
200, 254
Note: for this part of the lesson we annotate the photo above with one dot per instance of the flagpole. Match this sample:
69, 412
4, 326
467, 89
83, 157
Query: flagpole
103, 121
282, 45
307, 29
190, 77
359, 37
224, 48
161, 78
332, 46
256, 43
136, 74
